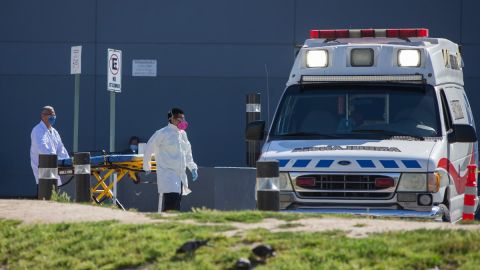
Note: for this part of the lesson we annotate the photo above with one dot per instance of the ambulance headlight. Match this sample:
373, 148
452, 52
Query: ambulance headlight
284, 182
413, 182
409, 58
317, 58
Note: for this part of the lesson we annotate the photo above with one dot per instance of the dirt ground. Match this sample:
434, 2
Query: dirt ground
33, 211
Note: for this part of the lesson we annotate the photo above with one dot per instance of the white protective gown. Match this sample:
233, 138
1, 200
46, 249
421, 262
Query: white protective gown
45, 141
173, 154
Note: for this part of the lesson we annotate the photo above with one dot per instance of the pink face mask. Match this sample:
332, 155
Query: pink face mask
183, 125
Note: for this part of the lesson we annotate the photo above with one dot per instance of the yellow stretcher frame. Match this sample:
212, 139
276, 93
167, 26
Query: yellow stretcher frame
102, 189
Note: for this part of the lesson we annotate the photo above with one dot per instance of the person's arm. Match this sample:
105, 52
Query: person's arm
152, 143
188, 153
61, 150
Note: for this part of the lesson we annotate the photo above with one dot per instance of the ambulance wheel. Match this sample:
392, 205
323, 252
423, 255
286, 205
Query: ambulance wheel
445, 207
445, 213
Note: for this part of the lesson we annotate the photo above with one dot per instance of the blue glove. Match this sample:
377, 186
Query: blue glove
194, 175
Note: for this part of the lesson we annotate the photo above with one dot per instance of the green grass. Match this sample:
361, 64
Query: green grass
110, 245
61, 197
214, 216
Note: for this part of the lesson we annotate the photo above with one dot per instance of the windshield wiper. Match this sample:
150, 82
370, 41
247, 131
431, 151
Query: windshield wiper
309, 134
388, 133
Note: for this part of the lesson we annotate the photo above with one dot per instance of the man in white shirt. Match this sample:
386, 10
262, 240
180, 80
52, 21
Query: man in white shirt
173, 154
46, 140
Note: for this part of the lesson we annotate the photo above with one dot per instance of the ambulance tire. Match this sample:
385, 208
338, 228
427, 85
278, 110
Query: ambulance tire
445, 213
445, 207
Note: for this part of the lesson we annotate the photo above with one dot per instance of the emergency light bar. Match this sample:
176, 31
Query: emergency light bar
363, 78
361, 33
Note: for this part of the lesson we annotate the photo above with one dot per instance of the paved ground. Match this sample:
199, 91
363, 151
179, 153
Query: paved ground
33, 211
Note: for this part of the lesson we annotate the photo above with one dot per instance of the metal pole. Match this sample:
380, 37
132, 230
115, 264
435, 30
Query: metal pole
253, 113
268, 193
115, 188
76, 112
112, 121
82, 169
47, 176
113, 177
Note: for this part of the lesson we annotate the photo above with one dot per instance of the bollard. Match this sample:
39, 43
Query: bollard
268, 193
81, 166
253, 109
47, 176
470, 196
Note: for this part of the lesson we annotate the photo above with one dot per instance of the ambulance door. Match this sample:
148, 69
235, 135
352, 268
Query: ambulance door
461, 154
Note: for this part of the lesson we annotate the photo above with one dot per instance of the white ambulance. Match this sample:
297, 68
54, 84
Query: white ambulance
373, 121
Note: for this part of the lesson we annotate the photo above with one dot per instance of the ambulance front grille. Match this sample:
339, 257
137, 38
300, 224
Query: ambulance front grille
348, 186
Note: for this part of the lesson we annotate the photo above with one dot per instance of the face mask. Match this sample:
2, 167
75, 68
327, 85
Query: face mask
52, 119
133, 147
183, 125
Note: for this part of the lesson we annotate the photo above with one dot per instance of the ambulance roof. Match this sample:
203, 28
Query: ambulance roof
440, 60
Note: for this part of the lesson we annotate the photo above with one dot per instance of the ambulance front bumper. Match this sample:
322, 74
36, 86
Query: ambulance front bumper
290, 202
435, 212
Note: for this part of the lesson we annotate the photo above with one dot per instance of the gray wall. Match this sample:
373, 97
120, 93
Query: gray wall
210, 54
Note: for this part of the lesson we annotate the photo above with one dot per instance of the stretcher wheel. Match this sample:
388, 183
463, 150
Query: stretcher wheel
97, 201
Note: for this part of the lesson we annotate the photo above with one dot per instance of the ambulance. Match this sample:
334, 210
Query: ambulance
372, 121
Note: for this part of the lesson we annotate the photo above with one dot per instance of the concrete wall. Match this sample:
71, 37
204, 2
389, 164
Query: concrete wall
210, 55
218, 188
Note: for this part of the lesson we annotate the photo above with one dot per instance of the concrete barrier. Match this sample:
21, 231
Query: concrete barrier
47, 176
81, 164
221, 188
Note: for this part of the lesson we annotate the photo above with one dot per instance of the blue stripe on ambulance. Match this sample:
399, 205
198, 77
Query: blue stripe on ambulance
363, 163
389, 164
283, 162
324, 163
411, 164
301, 163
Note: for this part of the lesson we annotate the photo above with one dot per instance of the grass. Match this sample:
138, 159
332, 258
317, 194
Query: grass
214, 216
61, 197
110, 245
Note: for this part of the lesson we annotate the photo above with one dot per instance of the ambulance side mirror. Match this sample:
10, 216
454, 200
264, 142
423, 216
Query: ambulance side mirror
462, 134
255, 131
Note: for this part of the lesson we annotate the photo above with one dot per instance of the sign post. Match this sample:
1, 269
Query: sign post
76, 68
114, 85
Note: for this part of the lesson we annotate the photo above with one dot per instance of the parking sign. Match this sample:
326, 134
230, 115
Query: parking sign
114, 70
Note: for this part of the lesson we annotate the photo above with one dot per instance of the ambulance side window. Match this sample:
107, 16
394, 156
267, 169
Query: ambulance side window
446, 112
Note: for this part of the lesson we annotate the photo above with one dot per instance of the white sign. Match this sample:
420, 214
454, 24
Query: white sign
76, 60
114, 70
144, 68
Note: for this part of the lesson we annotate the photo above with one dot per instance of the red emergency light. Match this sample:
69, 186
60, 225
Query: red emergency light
360, 33
303, 181
384, 182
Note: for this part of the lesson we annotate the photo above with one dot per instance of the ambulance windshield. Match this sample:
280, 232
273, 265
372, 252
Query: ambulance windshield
354, 111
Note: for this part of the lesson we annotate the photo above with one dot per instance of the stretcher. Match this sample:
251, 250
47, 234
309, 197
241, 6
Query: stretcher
104, 166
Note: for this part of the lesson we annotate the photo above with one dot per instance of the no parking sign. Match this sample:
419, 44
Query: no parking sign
114, 70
